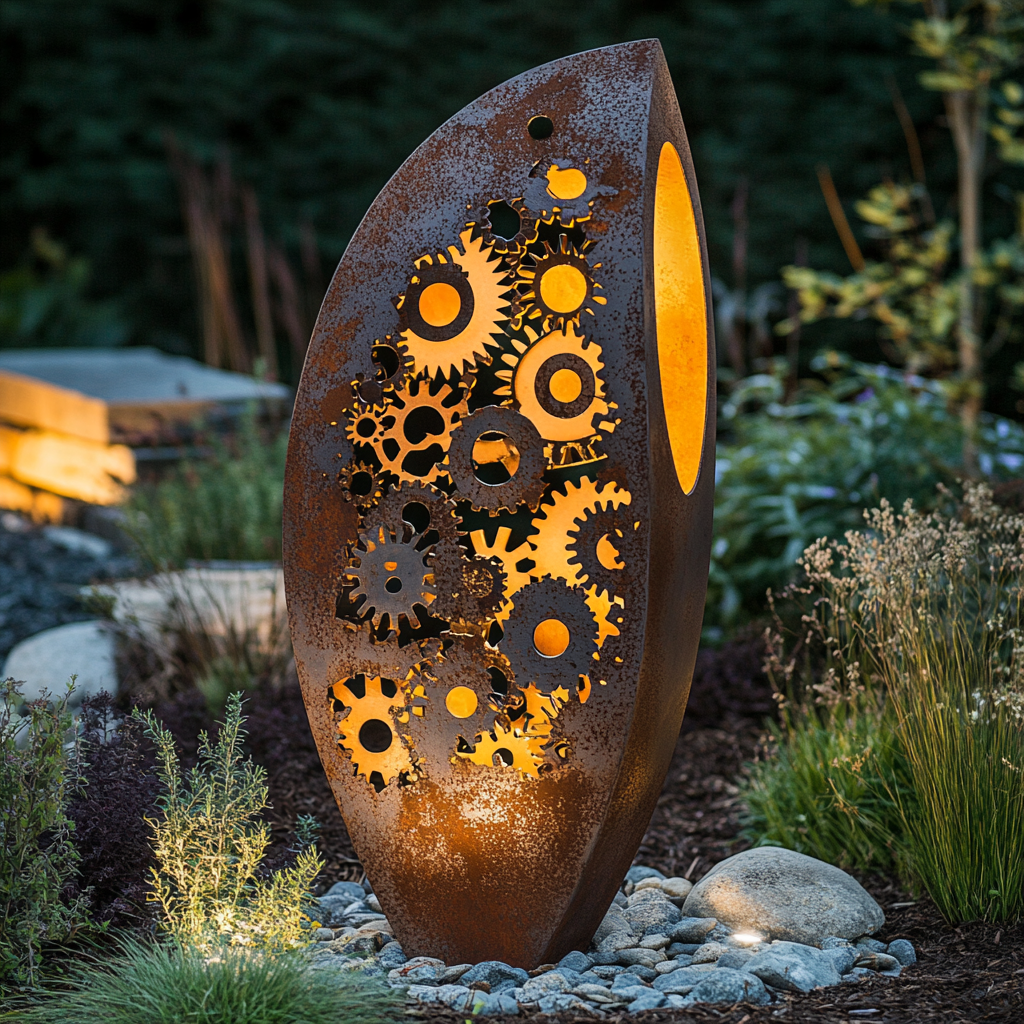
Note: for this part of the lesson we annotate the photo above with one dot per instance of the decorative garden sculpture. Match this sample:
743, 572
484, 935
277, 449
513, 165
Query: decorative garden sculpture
498, 506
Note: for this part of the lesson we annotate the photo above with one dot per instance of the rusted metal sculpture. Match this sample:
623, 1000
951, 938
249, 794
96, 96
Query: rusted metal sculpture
498, 506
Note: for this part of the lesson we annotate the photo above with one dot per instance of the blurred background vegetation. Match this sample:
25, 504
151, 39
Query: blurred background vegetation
187, 173
314, 103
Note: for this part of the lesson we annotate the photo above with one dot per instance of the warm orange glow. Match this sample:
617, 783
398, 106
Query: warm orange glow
568, 184
608, 554
439, 304
563, 288
565, 385
461, 702
494, 447
551, 638
680, 307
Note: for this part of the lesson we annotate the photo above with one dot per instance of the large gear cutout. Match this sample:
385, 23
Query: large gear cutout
414, 508
556, 288
497, 436
550, 637
557, 383
596, 549
368, 730
392, 577
452, 307
411, 435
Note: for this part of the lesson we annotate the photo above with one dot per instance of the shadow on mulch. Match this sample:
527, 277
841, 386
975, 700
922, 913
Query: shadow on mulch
973, 973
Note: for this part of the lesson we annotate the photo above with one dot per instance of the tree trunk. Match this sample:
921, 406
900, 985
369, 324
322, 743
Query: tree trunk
966, 114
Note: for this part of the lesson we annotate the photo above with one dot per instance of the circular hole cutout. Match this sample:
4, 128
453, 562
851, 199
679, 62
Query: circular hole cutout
505, 220
565, 385
541, 127
568, 184
563, 288
506, 756
375, 735
392, 584
440, 304
551, 638
461, 702
495, 458
366, 427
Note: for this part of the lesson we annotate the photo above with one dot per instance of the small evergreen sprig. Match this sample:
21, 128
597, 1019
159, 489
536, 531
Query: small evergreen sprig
38, 777
209, 845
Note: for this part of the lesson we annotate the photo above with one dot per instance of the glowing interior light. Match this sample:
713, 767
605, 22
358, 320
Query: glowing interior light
747, 938
681, 316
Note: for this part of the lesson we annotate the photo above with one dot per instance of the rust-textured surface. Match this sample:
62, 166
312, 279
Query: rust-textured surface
495, 578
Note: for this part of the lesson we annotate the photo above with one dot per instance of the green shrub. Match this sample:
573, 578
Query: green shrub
152, 984
791, 472
918, 627
226, 507
37, 858
823, 788
209, 846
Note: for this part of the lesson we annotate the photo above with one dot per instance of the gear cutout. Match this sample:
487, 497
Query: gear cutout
367, 728
557, 383
411, 434
550, 636
452, 306
505, 747
509, 559
391, 578
558, 187
554, 289
506, 225
506, 443
596, 549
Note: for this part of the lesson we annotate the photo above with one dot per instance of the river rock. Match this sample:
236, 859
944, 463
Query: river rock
729, 986
793, 966
784, 895
903, 951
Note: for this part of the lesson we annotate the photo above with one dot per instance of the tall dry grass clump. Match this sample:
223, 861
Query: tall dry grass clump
911, 653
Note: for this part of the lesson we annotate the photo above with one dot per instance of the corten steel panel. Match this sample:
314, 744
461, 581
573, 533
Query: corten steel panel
497, 790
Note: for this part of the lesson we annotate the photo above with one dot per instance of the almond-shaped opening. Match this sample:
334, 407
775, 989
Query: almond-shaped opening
680, 308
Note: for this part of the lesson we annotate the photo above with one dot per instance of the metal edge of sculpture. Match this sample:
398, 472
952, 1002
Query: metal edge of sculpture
498, 506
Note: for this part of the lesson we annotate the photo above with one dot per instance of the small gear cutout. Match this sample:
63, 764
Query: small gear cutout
367, 729
411, 435
556, 288
391, 578
597, 547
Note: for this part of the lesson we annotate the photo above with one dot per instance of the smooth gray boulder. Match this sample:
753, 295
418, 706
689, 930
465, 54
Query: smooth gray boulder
793, 966
781, 894
46, 661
